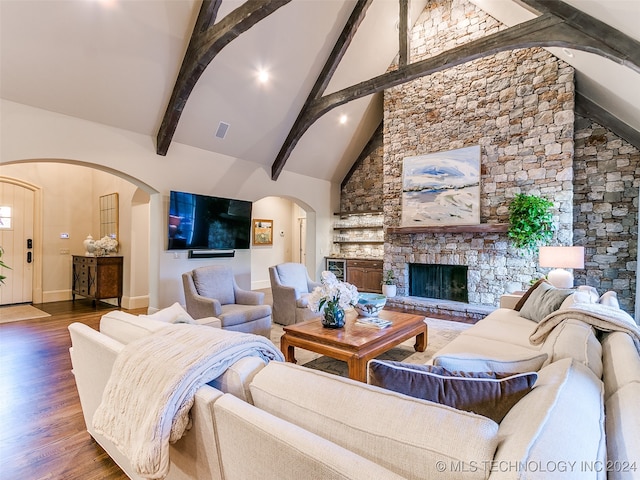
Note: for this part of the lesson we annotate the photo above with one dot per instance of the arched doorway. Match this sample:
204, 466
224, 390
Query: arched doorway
69, 211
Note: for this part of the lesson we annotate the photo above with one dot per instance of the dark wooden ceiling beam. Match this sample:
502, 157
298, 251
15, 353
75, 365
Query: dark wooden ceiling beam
607, 41
207, 40
300, 126
403, 33
588, 109
559, 26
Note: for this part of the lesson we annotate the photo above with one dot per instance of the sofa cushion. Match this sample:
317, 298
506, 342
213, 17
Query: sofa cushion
620, 362
560, 420
575, 339
472, 362
126, 328
403, 434
487, 348
543, 300
504, 325
622, 427
487, 394
253, 444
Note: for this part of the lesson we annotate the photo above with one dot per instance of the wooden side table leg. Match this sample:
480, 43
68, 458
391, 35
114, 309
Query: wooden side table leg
421, 341
287, 349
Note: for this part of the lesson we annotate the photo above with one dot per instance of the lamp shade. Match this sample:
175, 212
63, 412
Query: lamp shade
562, 257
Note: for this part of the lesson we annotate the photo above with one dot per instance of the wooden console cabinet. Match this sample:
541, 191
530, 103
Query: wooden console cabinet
366, 275
97, 277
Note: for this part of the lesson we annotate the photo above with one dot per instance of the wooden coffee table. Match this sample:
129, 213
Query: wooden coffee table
354, 344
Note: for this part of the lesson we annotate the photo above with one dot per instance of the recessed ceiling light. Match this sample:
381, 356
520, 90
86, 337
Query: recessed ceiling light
343, 119
567, 52
263, 76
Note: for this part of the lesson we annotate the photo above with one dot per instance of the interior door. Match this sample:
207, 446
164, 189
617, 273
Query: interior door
16, 239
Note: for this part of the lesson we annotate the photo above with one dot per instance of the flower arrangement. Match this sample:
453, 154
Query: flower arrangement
332, 294
105, 246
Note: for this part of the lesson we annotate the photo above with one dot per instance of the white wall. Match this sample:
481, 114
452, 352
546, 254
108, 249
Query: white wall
279, 210
29, 134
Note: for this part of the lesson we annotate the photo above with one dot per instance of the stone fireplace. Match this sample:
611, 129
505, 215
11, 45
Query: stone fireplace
443, 282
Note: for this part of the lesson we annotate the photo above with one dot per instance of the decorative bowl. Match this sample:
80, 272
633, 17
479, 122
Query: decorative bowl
370, 304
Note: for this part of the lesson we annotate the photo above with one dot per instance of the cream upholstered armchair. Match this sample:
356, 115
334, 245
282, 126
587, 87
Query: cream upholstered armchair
212, 291
290, 286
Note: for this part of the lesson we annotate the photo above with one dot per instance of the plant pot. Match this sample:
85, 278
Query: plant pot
389, 290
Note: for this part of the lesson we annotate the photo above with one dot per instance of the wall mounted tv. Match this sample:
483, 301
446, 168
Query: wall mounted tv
204, 222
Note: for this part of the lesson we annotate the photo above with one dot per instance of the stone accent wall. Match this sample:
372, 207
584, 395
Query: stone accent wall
518, 106
363, 191
607, 179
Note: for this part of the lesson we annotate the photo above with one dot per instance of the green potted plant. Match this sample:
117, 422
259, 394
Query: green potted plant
531, 221
2, 265
389, 284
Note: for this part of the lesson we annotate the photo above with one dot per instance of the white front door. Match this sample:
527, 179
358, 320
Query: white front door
16, 239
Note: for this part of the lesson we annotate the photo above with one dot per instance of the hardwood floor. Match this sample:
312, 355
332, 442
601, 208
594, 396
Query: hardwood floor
43, 433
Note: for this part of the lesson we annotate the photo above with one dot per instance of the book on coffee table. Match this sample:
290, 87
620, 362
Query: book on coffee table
373, 322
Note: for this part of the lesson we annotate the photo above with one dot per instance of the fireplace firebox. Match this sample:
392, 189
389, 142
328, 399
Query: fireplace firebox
444, 282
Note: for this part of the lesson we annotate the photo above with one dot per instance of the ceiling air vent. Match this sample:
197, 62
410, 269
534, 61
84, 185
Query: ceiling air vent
222, 130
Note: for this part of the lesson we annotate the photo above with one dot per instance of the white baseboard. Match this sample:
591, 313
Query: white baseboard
56, 296
130, 303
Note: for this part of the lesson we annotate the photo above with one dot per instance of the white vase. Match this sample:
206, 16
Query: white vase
388, 290
89, 247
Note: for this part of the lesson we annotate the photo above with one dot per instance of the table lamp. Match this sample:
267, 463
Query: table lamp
559, 258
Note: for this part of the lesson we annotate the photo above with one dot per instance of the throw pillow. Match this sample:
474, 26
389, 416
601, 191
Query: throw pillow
591, 291
577, 297
475, 363
528, 294
173, 314
543, 300
488, 394
609, 298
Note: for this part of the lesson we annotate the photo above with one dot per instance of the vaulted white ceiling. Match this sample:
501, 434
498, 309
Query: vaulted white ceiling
115, 62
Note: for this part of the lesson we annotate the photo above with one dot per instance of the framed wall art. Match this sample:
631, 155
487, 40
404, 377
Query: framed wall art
442, 188
262, 231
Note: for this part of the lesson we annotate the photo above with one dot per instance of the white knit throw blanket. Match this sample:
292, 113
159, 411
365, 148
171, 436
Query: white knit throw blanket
602, 317
146, 402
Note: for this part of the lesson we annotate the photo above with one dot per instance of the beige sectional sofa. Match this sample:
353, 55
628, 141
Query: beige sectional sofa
283, 421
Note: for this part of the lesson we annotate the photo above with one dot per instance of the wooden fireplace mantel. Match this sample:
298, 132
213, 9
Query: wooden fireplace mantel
479, 228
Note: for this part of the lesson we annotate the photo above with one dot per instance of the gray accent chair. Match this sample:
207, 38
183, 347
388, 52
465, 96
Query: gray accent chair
212, 291
290, 287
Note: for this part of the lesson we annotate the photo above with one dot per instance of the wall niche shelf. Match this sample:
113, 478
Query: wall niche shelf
358, 212
361, 242
480, 228
363, 227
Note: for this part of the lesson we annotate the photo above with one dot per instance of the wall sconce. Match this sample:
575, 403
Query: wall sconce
559, 258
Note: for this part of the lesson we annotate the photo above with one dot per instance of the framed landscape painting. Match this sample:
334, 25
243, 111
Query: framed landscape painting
262, 232
442, 188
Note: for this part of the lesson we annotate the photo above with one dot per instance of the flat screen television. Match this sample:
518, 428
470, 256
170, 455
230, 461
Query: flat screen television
204, 222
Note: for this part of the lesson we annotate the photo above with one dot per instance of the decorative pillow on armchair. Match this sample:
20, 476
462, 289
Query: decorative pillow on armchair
488, 394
